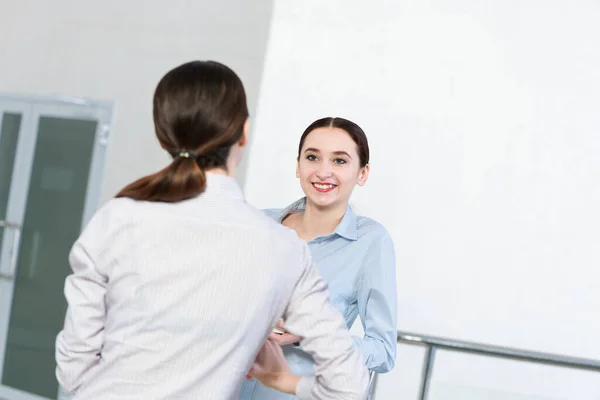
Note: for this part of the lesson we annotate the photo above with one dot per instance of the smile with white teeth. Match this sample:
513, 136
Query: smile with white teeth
321, 186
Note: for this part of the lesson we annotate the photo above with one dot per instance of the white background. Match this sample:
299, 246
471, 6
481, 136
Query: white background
484, 124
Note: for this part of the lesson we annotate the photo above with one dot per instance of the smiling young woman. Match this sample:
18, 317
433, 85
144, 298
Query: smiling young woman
354, 254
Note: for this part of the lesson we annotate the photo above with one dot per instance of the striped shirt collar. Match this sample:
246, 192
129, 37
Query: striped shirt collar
347, 228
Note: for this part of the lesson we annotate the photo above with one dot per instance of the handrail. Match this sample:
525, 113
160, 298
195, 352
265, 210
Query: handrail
433, 343
499, 351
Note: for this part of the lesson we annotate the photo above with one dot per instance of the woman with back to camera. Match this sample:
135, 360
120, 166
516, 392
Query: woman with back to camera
159, 305
354, 254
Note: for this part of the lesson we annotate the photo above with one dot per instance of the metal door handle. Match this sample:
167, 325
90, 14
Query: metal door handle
14, 250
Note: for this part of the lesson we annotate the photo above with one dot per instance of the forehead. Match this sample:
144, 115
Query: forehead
329, 140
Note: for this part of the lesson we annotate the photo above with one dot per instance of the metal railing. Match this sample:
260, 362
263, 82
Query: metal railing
432, 344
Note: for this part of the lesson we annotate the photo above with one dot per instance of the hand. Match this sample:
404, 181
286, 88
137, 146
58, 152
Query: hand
285, 338
271, 369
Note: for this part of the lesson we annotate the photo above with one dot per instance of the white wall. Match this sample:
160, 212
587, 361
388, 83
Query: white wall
115, 50
484, 126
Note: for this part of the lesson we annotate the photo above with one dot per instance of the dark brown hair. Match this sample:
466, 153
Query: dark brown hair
200, 109
355, 132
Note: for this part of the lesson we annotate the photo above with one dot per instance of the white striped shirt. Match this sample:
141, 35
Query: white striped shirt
174, 300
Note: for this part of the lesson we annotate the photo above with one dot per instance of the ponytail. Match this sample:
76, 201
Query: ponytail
183, 179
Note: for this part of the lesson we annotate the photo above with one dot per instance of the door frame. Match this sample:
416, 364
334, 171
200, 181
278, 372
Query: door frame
32, 108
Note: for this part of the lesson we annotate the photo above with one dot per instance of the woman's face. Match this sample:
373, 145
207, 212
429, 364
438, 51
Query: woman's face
329, 167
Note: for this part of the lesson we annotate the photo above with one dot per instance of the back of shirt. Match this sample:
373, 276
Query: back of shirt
173, 300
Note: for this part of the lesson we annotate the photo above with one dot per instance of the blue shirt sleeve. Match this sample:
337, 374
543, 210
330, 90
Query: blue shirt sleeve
377, 306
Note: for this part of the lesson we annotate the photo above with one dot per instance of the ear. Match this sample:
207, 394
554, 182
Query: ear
298, 167
363, 175
245, 130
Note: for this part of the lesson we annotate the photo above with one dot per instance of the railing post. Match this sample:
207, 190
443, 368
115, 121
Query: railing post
427, 370
372, 385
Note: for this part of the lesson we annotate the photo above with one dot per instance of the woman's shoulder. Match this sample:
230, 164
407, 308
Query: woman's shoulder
109, 215
111, 207
273, 213
115, 208
368, 228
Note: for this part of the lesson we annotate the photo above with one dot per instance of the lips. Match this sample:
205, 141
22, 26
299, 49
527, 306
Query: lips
323, 187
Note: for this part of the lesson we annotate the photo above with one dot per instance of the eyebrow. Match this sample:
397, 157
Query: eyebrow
337, 153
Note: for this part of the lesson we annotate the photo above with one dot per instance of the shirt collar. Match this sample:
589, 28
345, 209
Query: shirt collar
346, 228
222, 184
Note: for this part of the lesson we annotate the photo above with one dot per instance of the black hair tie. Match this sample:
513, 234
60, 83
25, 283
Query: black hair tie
217, 158
184, 154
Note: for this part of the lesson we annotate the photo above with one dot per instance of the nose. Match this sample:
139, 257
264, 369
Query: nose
324, 172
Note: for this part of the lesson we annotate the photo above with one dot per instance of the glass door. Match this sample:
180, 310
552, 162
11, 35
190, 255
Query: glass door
53, 190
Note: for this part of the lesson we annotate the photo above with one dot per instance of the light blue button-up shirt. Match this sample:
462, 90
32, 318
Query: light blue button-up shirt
358, 262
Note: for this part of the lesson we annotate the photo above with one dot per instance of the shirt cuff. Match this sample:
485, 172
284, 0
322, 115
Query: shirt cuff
304, 387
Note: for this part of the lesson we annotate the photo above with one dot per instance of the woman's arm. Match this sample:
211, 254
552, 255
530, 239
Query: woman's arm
272, 370
79, 344
377, 306
339, 371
